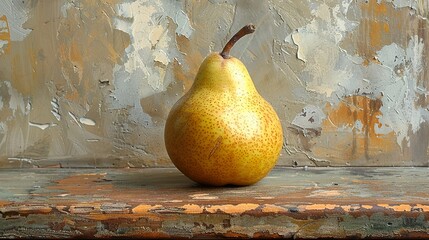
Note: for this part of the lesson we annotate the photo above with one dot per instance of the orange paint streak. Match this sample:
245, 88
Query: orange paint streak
375, 33
348, 208
386, 27
376, 28
72, 95
62, 51
375, 8
5, 34
70, 54
81, 184
40, 209
353, 109
77, 60
363, 110
75, 54
378, 19
112, 216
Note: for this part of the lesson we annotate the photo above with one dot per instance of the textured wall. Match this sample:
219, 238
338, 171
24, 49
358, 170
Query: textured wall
90, 83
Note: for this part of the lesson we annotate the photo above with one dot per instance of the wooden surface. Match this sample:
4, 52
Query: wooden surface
161, 203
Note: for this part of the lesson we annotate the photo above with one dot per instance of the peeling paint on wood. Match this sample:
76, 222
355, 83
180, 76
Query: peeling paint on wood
162, 203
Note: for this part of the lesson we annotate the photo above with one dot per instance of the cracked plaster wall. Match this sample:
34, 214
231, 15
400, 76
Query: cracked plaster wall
90, 83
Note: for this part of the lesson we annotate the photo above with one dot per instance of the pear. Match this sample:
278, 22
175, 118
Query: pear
222, 132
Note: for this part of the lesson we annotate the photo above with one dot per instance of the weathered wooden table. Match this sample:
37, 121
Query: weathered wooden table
162, 203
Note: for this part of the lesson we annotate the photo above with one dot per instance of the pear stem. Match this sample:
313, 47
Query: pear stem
249, 28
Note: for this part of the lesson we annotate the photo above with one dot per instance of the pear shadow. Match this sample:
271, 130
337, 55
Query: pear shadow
153, 178
227, 186
163, 179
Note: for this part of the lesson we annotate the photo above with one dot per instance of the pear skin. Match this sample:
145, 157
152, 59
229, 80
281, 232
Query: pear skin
222, 132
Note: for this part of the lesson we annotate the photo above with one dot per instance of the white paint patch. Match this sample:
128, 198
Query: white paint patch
3, 27
391, 56
358, 126
183, 24
405, 3
74, 118
311, 117
87, 121
149, 54
16, 14
135, 18
16, 100
3, 131
415, 55
327, 66
173, 201
3, 45
55, 109
66, 6
326, 193
400, 113
42, 126
21, 159
264, 198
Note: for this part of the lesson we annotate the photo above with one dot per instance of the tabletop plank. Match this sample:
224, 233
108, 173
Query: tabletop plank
162, 203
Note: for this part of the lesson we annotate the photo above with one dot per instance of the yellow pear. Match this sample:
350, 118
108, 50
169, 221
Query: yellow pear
222, 132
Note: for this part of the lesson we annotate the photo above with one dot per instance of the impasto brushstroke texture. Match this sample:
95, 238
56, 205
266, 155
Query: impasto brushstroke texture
90, 83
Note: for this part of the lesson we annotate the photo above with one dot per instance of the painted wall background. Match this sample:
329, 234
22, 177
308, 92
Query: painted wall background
90, 83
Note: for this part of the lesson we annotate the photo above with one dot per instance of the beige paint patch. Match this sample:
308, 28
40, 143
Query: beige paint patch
323, 193
367, 206
270, 208
232, 209
144, 208
423, 207
320, 207
203, 196
398, 208
192, 208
